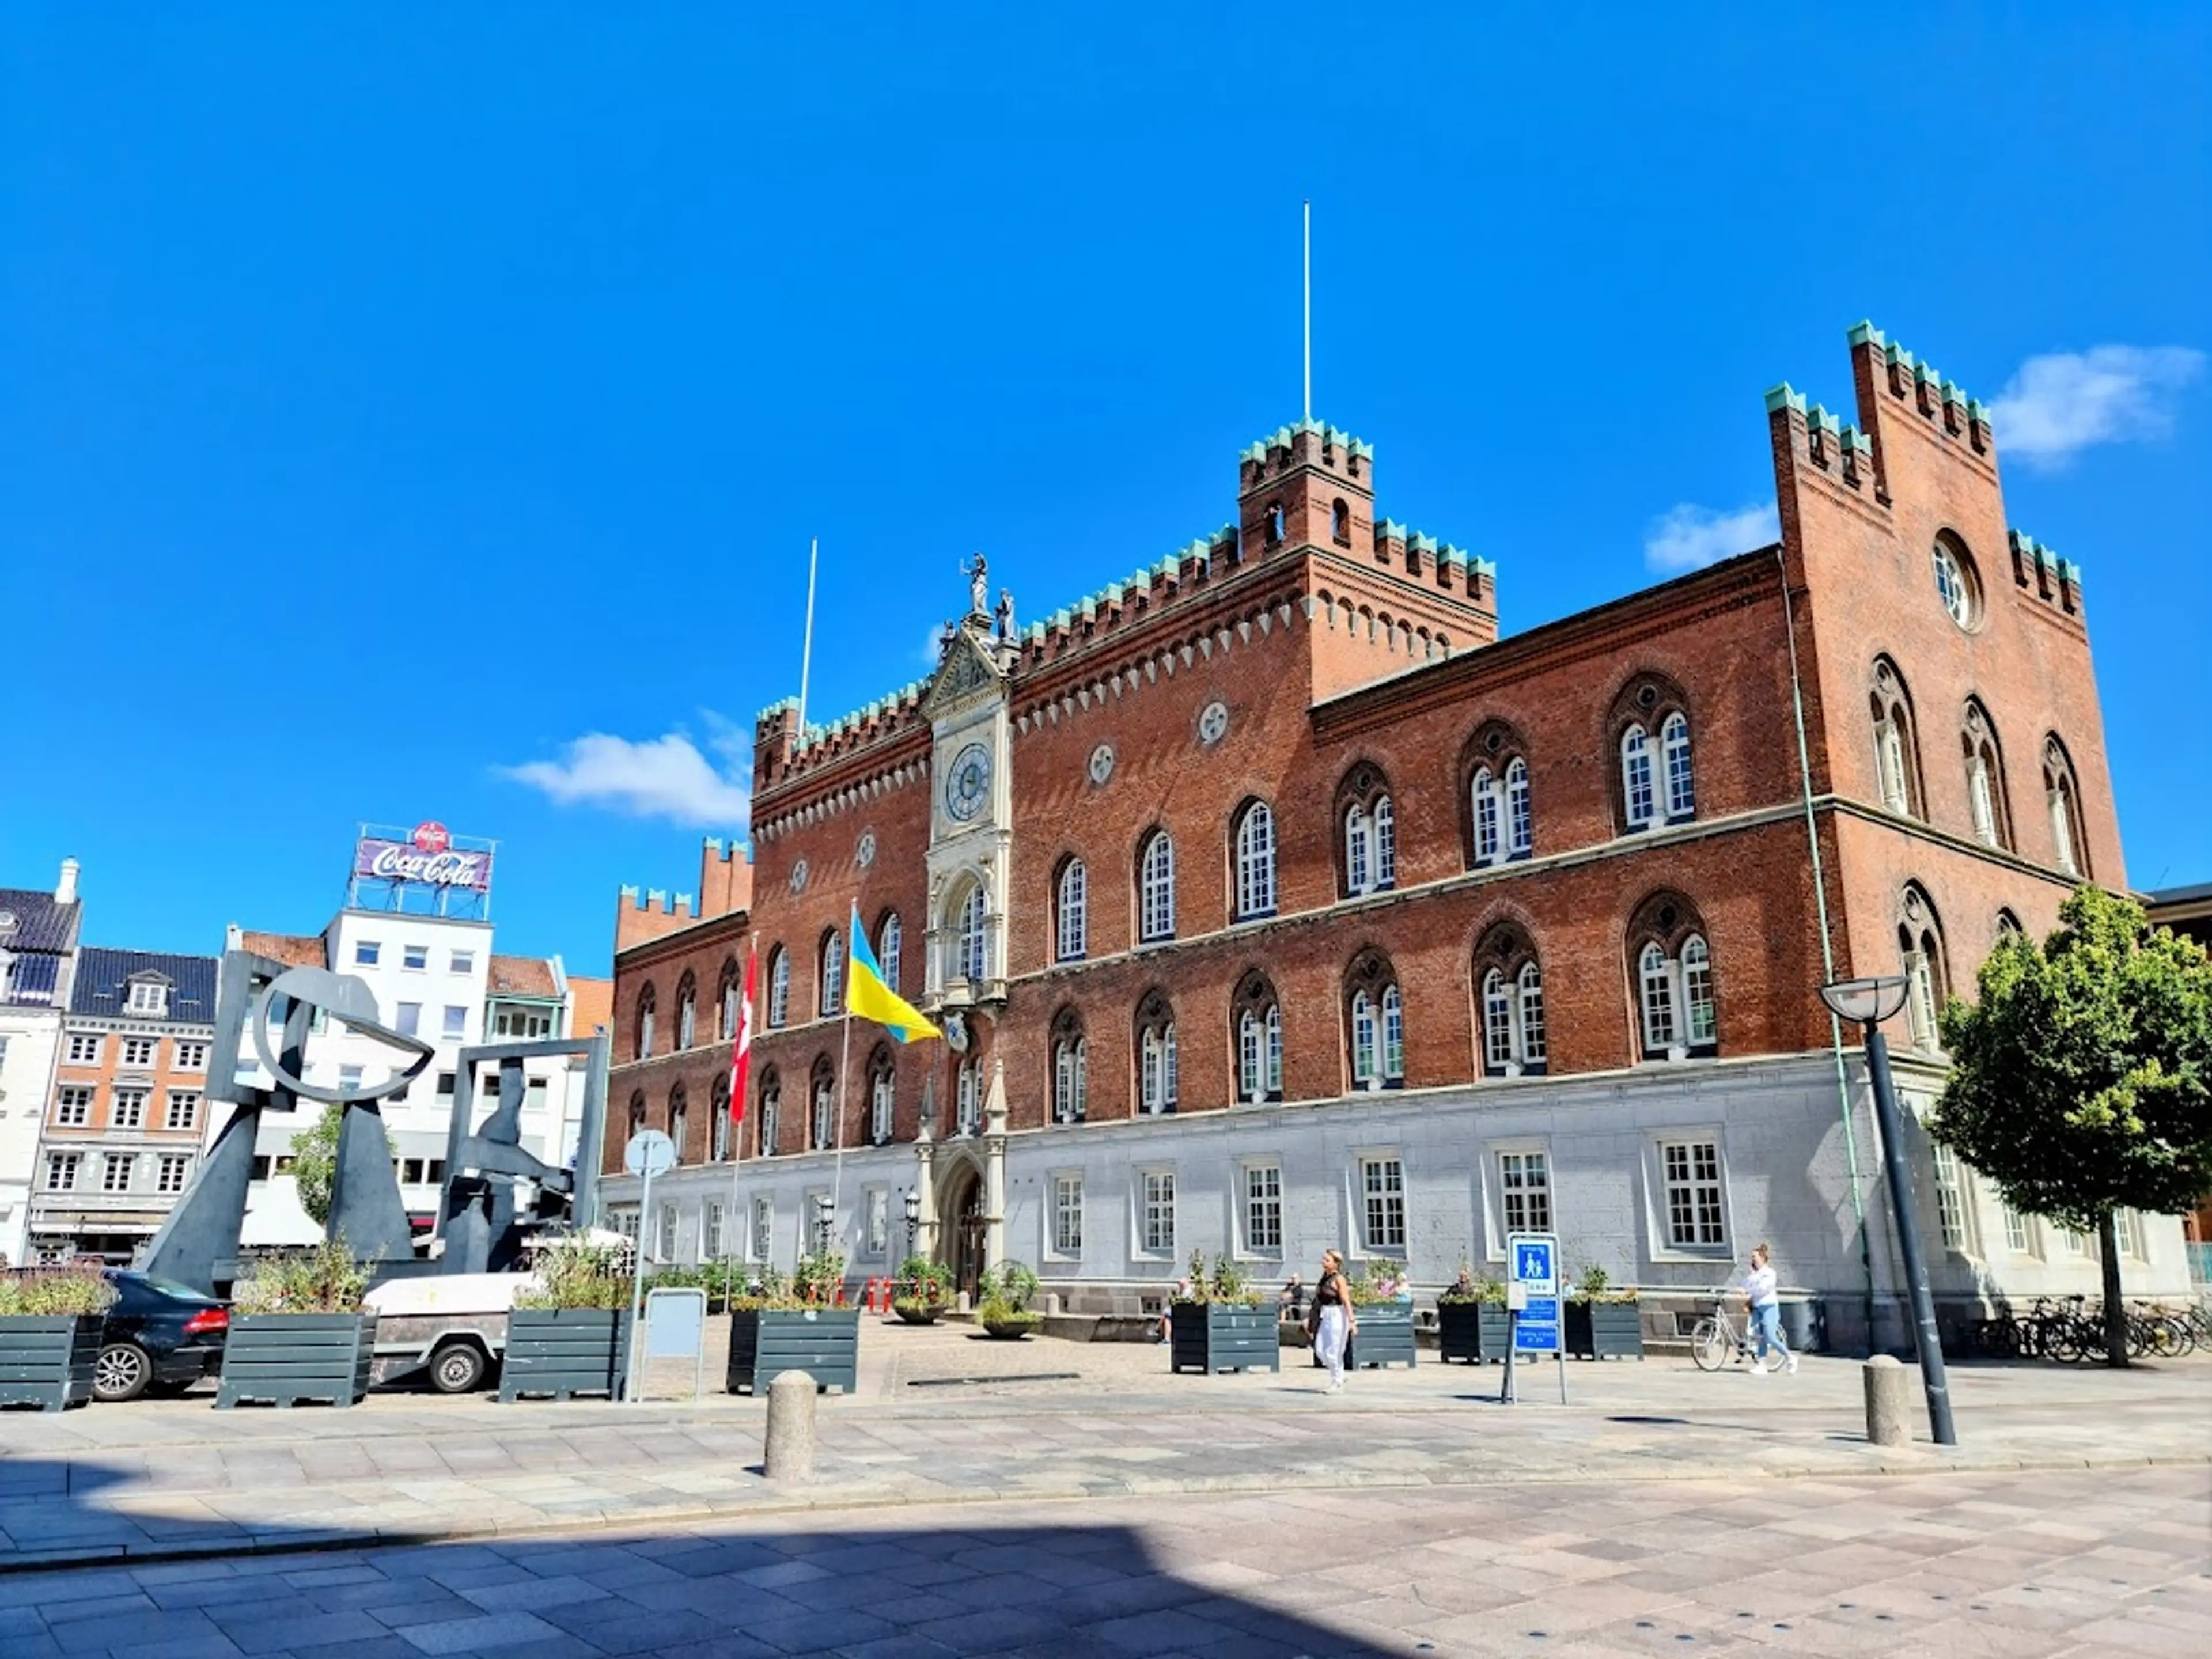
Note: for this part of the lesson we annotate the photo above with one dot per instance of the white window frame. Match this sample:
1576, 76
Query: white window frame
116, 1171
1156, 887
410, 1020
1639, 800
1680, 767
139, 1054
1255, 862
1954, 1202
1154, 1218
1889, 763
1655, 1001
1358, 851
2020, 1233
1386, 844
73, 1106
1071, 1080
173, 1172
149, 996
882, 1105
1663, 1172
1064, 1227
971, 938
687, 1018
62, 1171
1382, 1189
779, 988
822, 1115
1527, 1197
126, 1108
367, 952
968, 1096
2061, 798
415, 959
182, 1104
461, 962
84, 1048
1520, 813
1260, 1209
1489, 828
833, 975
1073, 932
453, 1025
760, 1235
890, 942
712, 1215
1366, 1041
191, 1056
876, 1223
1981, 796
1274, 1039
1500, 1050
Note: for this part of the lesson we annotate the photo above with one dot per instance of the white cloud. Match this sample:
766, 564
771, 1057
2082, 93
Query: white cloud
664, 777
2064, 402
1689, 537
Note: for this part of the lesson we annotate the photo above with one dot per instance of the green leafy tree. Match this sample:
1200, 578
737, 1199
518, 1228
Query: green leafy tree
315, 1163
2082, 1081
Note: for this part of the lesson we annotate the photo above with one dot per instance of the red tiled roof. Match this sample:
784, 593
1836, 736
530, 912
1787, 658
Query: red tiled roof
522, 976
293, 949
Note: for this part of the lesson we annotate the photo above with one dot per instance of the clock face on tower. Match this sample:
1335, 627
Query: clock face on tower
968, 786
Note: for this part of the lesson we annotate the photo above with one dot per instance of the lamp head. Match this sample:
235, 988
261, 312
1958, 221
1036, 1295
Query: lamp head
914, 1206
1865, 1001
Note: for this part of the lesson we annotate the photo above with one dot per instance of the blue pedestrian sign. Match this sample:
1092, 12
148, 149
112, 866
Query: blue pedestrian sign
1534, 1285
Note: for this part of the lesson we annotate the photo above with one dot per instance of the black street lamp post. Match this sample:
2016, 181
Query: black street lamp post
1866, 1003
912, 1217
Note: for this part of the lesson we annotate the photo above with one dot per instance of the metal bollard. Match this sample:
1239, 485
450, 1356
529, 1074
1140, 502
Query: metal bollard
1888, 1401
789, 1453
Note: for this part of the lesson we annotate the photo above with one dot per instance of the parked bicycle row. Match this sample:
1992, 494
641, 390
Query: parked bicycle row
2072, 1329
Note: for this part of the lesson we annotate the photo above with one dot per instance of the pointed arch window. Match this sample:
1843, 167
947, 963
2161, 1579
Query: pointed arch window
779, 987
723, 1136
1489, 841
833, 974
1071, 1069
1158, 1082
1255, 862
822, 1121
970, 942
1256, 1033
1155, 889
771, 1105
637, 1111
1671, 966
679, 1113
729, 997
1512, 998
1376, 1022
687, 1011
646, 1000
1370, 831
889, 940
1897, 761
2062, 800
1920, 958
1986, 799
1072, 923
882, 1097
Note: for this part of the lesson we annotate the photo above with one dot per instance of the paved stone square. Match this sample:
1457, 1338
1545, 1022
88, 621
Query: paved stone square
2020, 1564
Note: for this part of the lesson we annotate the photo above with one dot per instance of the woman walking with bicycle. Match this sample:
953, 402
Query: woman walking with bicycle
1765, 1316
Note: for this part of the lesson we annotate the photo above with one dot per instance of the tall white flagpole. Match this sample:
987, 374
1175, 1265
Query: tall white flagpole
807, 650
1309, 315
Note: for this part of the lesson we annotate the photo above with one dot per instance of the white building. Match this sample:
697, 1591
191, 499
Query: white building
38, 933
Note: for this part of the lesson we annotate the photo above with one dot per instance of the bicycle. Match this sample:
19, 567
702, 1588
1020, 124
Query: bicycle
1716, 1340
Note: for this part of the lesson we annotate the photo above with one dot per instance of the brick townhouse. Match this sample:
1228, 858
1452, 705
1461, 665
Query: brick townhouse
1278, 902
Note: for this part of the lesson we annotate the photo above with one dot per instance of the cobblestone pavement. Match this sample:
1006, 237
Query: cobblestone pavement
941, 1417
2019, 1565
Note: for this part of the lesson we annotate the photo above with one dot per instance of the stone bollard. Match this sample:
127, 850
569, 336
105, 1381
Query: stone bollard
789, 1453
1888, 1401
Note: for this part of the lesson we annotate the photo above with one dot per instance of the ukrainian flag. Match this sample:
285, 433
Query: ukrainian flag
867, 995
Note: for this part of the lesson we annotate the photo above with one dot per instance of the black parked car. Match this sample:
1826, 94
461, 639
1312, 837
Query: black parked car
160, 1336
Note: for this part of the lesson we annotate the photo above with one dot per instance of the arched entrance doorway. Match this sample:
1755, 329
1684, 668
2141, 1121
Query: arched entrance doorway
962, 1230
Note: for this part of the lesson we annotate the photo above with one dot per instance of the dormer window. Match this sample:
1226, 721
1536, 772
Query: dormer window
149, 996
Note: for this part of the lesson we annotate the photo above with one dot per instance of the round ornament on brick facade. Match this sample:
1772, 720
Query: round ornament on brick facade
1102, 763
1955, 585
1213, 722
968, 785
798, 877
865, 853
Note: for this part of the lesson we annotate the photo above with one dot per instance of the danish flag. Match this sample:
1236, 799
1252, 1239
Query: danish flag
741, 1058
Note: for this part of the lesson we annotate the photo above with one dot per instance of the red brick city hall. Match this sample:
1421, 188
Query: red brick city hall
1280, 903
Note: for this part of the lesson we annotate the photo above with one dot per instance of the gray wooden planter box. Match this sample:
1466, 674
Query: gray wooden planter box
1473, 1331
280, 1359
1605, 1330
1386, 1335
560, 1352
766, 1342
47, 1359
1213, 1337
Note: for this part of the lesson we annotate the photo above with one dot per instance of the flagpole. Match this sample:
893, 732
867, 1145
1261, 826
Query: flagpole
1308, 329
837, 1134
806, 648
737, 1109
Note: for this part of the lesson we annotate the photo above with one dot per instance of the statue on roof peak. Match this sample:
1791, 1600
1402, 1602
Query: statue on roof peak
979, 586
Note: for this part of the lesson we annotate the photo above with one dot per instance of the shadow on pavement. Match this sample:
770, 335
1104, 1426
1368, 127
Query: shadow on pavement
723, 1590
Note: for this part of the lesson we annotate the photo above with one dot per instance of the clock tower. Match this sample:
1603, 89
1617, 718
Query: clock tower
971, 817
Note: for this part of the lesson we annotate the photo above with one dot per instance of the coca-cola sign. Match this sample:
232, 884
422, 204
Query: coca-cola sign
427, 856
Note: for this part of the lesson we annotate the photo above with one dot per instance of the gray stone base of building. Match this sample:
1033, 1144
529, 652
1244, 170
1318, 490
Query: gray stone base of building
1663, 1176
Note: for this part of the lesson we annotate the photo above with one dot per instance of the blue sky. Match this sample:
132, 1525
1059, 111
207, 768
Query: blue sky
459, 390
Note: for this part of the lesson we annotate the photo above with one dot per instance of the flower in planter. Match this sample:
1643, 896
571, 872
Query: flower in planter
54, 1292
325, 1280
1467, 1288
924, 1287
1595, 1286
1379, 1282
1010, 1286
1226, 1283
